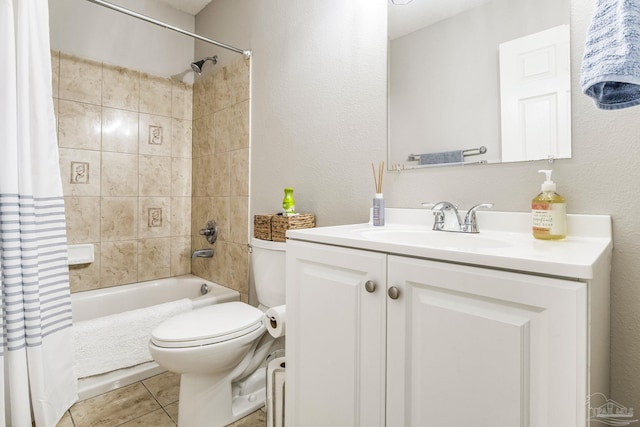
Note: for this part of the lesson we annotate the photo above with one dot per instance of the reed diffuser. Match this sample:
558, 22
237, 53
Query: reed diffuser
378, 199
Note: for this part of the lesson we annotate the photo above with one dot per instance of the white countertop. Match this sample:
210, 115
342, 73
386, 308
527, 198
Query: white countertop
505, 241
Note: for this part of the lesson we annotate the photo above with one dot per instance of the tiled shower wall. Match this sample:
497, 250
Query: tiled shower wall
127, 153
125, 160
221, 174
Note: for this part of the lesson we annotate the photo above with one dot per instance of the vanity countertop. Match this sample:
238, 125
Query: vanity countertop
504, 242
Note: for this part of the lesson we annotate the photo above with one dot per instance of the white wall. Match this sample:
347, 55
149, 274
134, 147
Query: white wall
318, 99
319, 120
91, 31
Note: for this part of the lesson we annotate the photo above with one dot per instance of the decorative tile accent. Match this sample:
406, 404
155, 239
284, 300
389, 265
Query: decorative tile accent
79, 173
154, 217
71, 179
155, 135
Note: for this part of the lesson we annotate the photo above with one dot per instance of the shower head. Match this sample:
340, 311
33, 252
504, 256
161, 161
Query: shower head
197, 66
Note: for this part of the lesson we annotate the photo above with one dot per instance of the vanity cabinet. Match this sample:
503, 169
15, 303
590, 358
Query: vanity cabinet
375, 339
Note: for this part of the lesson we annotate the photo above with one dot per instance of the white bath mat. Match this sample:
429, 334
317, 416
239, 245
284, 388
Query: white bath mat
121, 340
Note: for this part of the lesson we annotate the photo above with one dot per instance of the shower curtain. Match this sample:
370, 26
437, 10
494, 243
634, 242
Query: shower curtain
35, 308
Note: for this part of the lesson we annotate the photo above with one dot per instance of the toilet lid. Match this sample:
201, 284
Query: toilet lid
208, 325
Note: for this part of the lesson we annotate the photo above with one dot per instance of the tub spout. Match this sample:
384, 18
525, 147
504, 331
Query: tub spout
202, 253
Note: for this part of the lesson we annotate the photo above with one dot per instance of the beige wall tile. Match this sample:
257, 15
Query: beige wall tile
202, 176
84, 277
217, 268
181, 138
239, 220
55, 73
239, 172
119, 218
209, 94
118, 263
119, 174
120, 88
232, 127
155, 176
239, 273
83, 214
201, 146
78, 125
154, 217
119, 130
181, 100
231, 84
180, 216
154, 258
80, 79
221, 177
154, 135
199, 95
155, 95
80, 172
201, 212
180, 255
221, 211
181, 177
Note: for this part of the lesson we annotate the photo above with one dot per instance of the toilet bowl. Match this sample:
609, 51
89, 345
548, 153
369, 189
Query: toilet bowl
218, 350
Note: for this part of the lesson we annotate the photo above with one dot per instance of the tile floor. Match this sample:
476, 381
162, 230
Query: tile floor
152, 402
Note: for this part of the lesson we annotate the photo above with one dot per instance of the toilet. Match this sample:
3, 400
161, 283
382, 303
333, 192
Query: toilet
218, 350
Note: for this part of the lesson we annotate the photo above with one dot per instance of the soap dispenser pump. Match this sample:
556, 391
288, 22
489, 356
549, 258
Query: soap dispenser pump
549, 212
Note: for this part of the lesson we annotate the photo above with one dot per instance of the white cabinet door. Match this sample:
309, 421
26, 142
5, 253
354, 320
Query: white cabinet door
335, 337
473, 346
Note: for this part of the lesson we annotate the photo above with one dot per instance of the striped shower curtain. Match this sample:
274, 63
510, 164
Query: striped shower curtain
36, 369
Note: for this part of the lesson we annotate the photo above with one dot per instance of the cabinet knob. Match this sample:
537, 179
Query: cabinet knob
370, 286
394, 293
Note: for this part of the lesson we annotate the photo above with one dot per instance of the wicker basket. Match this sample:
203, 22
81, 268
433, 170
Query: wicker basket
280, 224
262, 226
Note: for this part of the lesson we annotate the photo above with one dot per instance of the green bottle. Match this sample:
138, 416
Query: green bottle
288, 204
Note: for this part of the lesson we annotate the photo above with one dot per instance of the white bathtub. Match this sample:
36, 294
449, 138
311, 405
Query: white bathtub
102, 302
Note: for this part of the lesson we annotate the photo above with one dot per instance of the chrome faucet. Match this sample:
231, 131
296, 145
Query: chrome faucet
202, 253
447, 217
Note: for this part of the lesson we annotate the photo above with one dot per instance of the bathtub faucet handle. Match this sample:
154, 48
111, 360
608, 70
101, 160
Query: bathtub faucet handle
210, 232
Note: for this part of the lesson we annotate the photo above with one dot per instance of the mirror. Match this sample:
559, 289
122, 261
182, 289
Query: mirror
478, 81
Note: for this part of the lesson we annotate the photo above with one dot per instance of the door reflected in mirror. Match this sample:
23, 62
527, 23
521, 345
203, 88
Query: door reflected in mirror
478, 81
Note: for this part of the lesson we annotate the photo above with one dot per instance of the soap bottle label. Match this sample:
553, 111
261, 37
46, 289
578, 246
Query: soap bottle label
549, 218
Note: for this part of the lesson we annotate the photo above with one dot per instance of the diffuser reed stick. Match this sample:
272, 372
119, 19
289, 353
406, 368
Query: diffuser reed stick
378, 200
377, 178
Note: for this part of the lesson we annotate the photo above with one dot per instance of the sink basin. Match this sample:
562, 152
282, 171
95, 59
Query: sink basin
437, 239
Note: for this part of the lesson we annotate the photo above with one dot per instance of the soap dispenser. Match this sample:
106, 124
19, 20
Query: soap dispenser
549, 212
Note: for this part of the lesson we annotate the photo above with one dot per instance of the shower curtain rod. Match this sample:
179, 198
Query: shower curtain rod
246, 53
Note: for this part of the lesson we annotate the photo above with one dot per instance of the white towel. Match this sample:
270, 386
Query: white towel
119, 340
611, 63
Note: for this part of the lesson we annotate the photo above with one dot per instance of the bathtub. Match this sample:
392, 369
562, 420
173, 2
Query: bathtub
118, 299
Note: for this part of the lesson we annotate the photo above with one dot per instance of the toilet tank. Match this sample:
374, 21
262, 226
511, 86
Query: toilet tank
268, 266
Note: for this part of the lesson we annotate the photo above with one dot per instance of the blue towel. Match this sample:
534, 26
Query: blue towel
456, 156
611, 63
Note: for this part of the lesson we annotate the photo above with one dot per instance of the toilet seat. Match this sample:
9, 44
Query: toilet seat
208, 325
